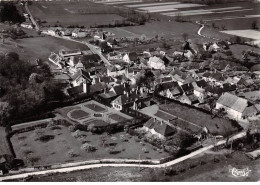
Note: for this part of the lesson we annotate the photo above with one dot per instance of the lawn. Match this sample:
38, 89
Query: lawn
79, 114
117, 117
65, 110
96, 122
95, 107
216, 125
58, 145
72, 13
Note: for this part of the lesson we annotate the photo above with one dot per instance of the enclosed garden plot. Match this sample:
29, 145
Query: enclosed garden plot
61, 144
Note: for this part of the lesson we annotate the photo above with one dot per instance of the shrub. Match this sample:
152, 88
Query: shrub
72, 128
51, 124
76, 134
114, 151
192, 166
71, 153
216, 160
88, 147
202, 162
170, 172
46, 138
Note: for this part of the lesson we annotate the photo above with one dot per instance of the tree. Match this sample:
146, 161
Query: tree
254, 25
9, 12
185, 36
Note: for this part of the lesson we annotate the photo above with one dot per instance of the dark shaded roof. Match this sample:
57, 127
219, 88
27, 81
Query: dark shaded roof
75, 90
98, 87
160, 127
119, 89
187, 87
126, 98
107, 79
201, 83
168, 85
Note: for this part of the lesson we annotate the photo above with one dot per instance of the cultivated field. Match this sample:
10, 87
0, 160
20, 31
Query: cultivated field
251, 34
72, 13
56, 144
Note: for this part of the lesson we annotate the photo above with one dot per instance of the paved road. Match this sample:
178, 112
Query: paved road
31, 17
201, 28
92, 166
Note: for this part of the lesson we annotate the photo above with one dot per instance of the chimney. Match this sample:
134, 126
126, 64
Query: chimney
85, 87
161, 122
154, 119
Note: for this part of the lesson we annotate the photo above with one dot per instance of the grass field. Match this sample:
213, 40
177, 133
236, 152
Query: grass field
58, 145
38, 47
71, 13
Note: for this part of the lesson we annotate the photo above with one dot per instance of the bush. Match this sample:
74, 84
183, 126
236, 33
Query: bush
72, 128
88, 147
170, 172
76, 134
202, 162
71, 153
46, 138
216, 160
114, 151
192, 166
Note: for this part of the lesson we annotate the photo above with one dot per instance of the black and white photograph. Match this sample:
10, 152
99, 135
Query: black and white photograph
129, 91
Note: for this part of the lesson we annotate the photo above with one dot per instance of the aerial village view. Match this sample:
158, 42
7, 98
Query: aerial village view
130, 90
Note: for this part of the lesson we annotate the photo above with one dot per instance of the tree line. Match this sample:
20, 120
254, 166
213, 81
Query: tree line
25, 88
10, 13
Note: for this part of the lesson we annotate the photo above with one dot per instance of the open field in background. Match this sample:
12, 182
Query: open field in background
72, 13
54, 145
251, 34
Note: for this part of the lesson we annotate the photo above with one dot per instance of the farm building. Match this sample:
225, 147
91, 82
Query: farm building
158, 128
78, 33
156, 63
235, 106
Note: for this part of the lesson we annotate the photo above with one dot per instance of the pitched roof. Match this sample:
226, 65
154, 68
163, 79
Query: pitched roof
75, 90
159, 126
126, 98
119, 89
232, 101
98, 87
